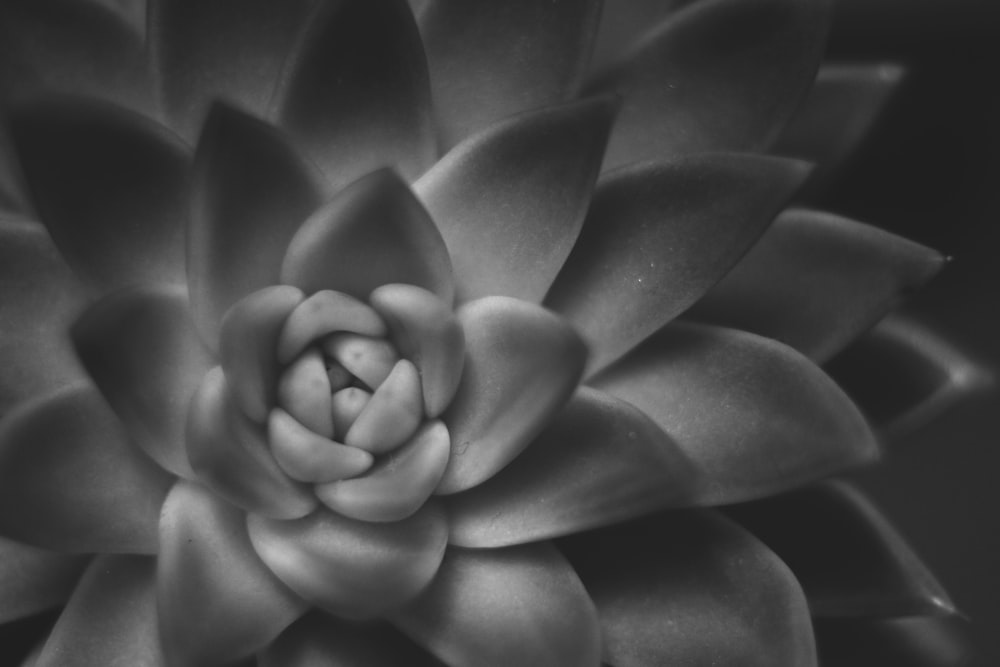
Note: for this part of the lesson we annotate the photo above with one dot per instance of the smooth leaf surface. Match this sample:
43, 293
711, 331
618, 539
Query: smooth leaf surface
625, 22
110, 185
228, 49
692, 588
510, 200
140, 348
498, 607
39, 299
845, 553
71, 481
217, 601
356, 95
111, 618
521, 365
250, 193
914, 642
33, 579
489, 59
598, 462
373, 233
815, 281
753, 416
723, 75
658, 236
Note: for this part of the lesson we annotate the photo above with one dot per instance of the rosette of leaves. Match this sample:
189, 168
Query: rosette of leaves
340, 332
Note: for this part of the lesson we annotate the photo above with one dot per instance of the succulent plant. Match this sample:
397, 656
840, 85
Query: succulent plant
342, 332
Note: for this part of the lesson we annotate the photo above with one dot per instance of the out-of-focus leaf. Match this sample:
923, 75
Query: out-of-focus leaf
111, 187
914, 642
521, 365
355, 94
39, 299
373, 233
658, 236
598, 462
251, 192
815, 281
498, 607
491, 59
217, 600
510, 200
847, 556
753, 416
228, 49
111, 618
722, 75
623, 24
903, 375
142, 351
70, 480
692, 588
33, 579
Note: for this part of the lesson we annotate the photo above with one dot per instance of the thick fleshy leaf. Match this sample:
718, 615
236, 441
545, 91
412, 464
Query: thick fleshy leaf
624, 22
70, 480
309, 457
658, 236
723, 75
691, 588
522, 363
217, 600
904, 374
231, 455
754, 416
373, 233
844, 104
847, 556
142, 351
323, 313
393, 413
319, 640
490, 59
510, 201
39, 300
355, 94
111, 187
251, 192
354, 569
600, 461
111, 618
493, 608
815, 281
229, 49
913, 642
33, 579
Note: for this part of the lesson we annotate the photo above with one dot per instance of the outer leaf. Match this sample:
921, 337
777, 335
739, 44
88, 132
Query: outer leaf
142, 351
658, 236
815, 281
493, 608
625, 22
848, 558
521, 365
39, 299
904, 375
599, 461
373, 233
356, 95
691, 588
229, 49
110, 185
70, 481
111, 618
723, 75
752, 415
319, 640
509, 201
250, 193
914, 642
217, 600
33, 580
489, 59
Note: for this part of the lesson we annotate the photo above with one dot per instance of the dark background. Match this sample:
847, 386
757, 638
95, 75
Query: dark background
931, 172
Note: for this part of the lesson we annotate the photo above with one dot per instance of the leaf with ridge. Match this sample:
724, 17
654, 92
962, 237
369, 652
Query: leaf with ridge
33, 579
